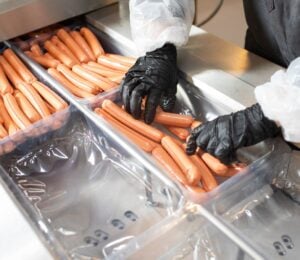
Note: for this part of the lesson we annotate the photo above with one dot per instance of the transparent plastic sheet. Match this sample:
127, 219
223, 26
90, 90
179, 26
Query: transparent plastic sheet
184, 235
280, 100
250, 204
154, 23
260, 210
90, 192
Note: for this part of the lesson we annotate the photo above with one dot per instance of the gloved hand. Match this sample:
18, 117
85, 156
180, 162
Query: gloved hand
222, 136
155, 76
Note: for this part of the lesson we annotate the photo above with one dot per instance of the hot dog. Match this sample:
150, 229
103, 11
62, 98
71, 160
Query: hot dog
185, 163
5, 86
208, 180
77, 80
107, 62
128, 61
72, 45
178, 142
49, 56
167, 163
55, 40
34, 98
26, 107
181, 133
58, 54
51, 108
44, 61
144, 129
233, 169
106, 72
83, 44
117, 79
92, 41
36, 50
172, 119
141, 141
69, 85
3, 132
9, 124
50, 96
213, 163
195, 124
15, 112
13, 76
19, 66
101, 82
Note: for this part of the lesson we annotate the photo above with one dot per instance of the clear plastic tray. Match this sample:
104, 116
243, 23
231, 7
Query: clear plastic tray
48, 124
191, 102
74, 24
86, 191
251, 206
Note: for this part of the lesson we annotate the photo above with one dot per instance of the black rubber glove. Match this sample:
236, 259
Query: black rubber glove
155, 76
222, 136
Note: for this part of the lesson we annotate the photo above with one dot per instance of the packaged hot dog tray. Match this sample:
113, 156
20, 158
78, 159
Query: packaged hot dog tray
29, 108
92, 194
75, 56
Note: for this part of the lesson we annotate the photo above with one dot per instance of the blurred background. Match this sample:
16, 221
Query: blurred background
228, 23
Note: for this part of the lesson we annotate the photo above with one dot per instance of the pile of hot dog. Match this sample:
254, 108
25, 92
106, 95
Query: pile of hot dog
77, 60
24, 100
195, 172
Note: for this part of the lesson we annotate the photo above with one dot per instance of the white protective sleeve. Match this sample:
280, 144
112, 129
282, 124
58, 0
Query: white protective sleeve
280, 100
156, 22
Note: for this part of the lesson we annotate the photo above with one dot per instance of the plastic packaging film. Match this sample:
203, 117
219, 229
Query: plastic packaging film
259, 209
184, 235
88, 189
279, 100
252, 205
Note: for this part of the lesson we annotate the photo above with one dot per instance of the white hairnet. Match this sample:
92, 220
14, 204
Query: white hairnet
156, 22
280, 100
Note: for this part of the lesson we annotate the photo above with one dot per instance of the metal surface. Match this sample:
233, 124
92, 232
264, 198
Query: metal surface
220, 69
18, 17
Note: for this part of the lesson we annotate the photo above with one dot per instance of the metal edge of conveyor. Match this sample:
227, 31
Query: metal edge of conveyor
33, 15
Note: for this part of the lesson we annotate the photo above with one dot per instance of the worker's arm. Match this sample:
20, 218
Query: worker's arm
157, 26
